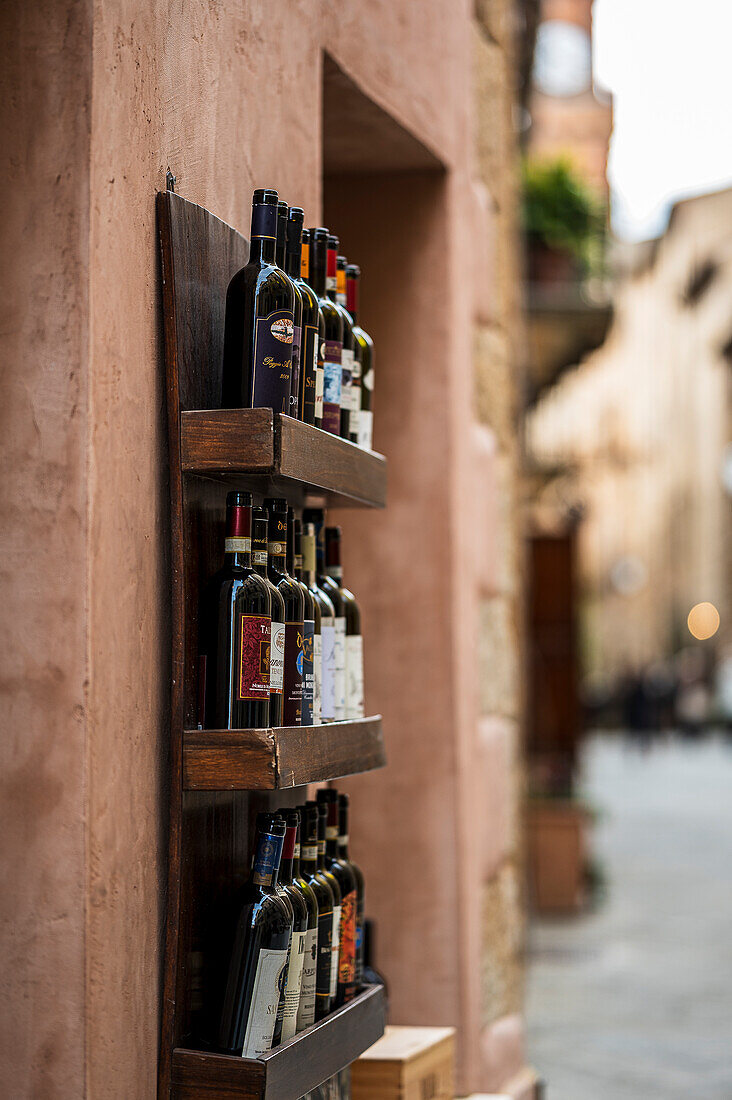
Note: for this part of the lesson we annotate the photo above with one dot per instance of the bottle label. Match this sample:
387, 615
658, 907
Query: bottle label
346, 378
260, 558
327, 699
365, 428
265, 1000
317, 677
237, 546
293, 985
354, 677
359, 942
292, 688
335, 571
306, 1008
254, 657
340, 668
347, 964
295, 372
273, 336
309, 853
319, 387
331, 282
267, 858
305, 260
331, 832
309, 369
308, 637
332, 386
325, 961
277, 658
336, 948
367, 380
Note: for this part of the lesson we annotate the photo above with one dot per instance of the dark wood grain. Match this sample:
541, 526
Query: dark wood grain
227, 440
292, 457
276, 759
296, 1067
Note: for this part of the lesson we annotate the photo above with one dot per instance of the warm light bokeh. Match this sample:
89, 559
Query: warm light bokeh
703, 621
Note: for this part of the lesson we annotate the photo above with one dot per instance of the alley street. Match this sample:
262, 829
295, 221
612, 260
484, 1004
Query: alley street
634, 1001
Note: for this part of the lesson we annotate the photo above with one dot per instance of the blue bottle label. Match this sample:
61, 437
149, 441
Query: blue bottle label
273, 337
267, 858
332, 382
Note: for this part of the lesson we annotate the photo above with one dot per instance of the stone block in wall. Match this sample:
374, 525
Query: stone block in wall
502, 928
484, 255
486, 490
495, 383
498, 753
498, 660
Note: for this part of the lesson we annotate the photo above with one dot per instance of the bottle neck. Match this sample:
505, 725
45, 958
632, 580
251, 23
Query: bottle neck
296, 856
281, 245
277, 544
331, 831
331, 275
264, 233
290, 559
343, 831
352, 297
266, 862
333, 567
259, 547
321, 849
309, 855
305, 261
316, 276
238, 541
294, 259
288, 854
341, 286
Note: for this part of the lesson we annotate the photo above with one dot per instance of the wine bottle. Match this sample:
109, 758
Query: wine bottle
286, 1025
346, 988
236, 622
316, 516
259, 326
306, 1009
310, 396
352, 614
277, 646
308, 625
343, 842
324, 897
333, 330
336, 891
347, 349
294, 608
324, 646
311, 631
249, 946
364, 349
304, 383
283, 216
354, 404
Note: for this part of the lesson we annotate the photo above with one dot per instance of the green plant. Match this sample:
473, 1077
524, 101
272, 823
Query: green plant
562, 211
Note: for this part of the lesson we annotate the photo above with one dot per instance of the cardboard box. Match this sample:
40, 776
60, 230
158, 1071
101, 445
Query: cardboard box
408, 1063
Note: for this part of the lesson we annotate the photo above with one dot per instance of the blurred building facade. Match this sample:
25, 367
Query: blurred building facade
637, 438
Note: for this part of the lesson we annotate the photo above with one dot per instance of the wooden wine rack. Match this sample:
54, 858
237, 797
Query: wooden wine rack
220, 779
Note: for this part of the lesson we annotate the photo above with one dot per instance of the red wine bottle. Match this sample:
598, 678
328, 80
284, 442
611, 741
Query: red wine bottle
364, 352
333, 324
306, 1009
354, 405
277, 634
236, 619
336, 891
286, 1024
354, 702
343, 843
347, 349
283, 216
324, 897
308, 625
259, 328
317, 351
324, 643
294, 610
346, 987
248, 942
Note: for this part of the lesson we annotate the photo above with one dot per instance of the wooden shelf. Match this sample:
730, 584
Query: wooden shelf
279, 452
287, 756
292, 1069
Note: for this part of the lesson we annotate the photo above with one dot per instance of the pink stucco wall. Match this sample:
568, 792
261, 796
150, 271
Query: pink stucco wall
229, 98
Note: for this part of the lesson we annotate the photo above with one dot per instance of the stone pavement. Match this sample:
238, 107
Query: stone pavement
634, 1001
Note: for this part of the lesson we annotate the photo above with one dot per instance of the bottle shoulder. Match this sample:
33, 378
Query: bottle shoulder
332, 318
299, 908
347, 325
362, 337
252, 587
